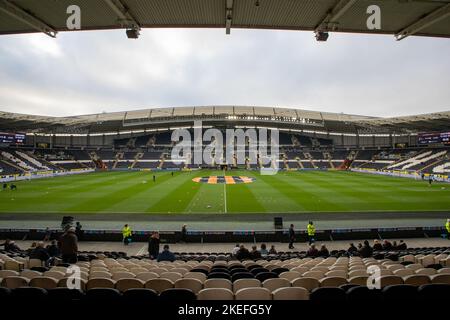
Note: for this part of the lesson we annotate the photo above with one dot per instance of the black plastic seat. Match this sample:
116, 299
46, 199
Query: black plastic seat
328, 294
434, 292
103, 294
399, 292
236, 266
347, 286
140, 295
255, 271
237, 270
4, 293
39, 269
65, 294
253, 266
363, 294
280, 270
200, 270
219, 275
177, 294
262, 276
28, 293
216, 269
242, 275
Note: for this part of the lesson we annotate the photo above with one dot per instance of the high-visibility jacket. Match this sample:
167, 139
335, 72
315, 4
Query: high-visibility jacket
311, 230
447, 226
126, 232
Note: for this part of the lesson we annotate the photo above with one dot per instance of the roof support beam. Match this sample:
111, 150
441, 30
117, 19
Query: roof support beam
330, 22
20, 14
424, 22
229, 16
126, 19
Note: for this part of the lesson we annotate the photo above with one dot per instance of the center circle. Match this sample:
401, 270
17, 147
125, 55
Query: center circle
223, 179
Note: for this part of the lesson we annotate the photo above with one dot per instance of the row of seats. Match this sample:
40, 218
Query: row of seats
433, 292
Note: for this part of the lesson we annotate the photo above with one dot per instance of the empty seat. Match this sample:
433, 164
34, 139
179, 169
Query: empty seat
246, 283
434, 292
215, 294
140, 295
441, 278
290, 275
219, 275
390, 280
103, 294
332, 282
218, 283
263, 276
290, 293
177, 294
328, 294
417, 280
145, 276
100, 283
125, 284
65, 294
43, 282
253, 294
276, 283
195, 275
14, 282
242, 275
159, 285
72, 283
307, 283
193, 284
399, 292
363, 293
28, 293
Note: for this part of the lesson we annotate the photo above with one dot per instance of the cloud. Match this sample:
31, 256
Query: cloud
92, 72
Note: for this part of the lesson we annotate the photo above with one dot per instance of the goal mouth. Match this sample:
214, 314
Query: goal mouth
224, 179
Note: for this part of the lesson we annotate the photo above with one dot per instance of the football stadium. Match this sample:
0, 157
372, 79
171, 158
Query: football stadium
193, 204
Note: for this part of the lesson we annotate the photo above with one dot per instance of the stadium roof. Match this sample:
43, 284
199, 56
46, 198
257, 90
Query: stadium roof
165, 118
398, 17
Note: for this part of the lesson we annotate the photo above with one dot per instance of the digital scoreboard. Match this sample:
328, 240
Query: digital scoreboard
433, 138
12, 138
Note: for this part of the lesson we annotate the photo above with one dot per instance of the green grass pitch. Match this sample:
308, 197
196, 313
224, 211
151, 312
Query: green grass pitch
286, 192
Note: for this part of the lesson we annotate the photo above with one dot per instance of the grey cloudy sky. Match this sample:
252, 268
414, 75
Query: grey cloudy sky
103, 71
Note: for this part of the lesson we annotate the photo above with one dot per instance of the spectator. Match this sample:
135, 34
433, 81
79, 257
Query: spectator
366, 251
291, 237
243, 253
126, 234
68, 245
40, 253
10, 246
387, 245
312, 252
263, 250
32, 247
272, 250
377, 245
352, 249
323, 252
79, 231
235, 250
53, 249
166, 255
153, 245
183, 233
402, 245
255, 254
48, 234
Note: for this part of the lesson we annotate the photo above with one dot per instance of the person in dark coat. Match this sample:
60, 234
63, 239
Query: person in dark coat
166, 255
40, 253
352, 249
387, 245
255, 254
291, 236
79, 231
53, 249
377, 245
68, 245
366, 250
183, 233
153, 245
402, 245
312, 252
323, 252
243, 253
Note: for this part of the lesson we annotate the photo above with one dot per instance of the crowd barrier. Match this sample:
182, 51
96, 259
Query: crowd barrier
405, 174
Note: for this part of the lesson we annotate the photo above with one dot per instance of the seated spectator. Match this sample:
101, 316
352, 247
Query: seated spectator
366, 250
377, 245
312, 252
166, 255
352, 249
402, 246
323, 252
32, 247
40, 252
243, 253
53, 249
255, 254
235, 250
10, 246
263, 250
387, 245
272, 250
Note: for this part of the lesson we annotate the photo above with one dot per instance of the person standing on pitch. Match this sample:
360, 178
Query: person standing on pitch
447, 226
291, 236
154, 178
126, 234
311, 232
